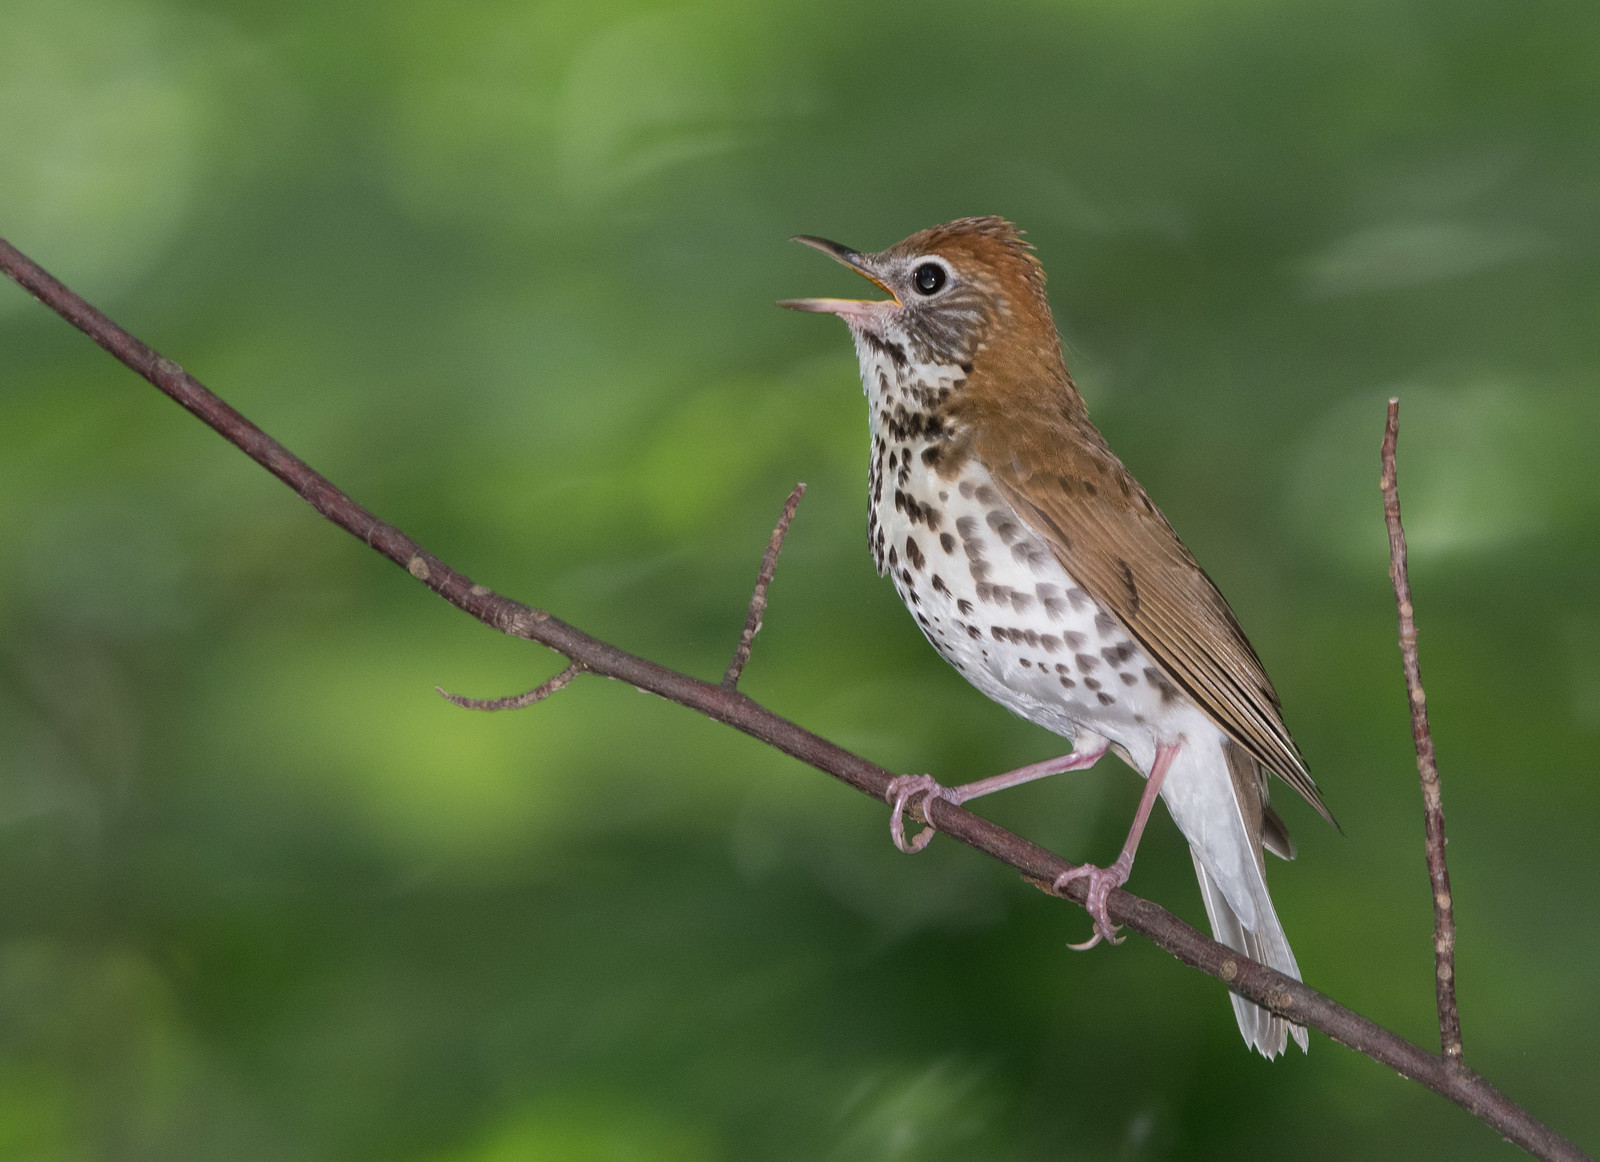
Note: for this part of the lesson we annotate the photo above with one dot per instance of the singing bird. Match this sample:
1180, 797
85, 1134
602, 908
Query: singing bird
1038, 567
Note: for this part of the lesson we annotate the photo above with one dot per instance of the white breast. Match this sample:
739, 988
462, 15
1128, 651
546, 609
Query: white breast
990, 595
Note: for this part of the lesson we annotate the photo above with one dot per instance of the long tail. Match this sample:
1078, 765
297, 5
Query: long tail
1216, 794
1264, 1032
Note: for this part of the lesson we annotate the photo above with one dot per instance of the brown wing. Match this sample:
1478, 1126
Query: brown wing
1074, 492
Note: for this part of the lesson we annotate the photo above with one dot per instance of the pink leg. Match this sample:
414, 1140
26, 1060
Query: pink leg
1102, 880
902, 790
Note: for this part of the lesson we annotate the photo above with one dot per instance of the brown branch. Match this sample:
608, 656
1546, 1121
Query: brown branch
1271, 990
516, 701
758, 599
1444, 919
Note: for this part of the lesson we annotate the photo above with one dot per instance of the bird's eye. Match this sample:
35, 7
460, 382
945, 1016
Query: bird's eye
928, 278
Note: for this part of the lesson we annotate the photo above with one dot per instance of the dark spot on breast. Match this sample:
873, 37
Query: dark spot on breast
1118, 654
905, 424
1078, 598
947, 542
1068, 683
1002, 595
895, 353
986, 496
1159, 680
914, 554
1030, 553
1050, 597
1105, 699
964, 607
965, 488
931, 454
967, 526
974, 632
894, 557
1004, 527
939, 585
1027, 665
1128, 679
916, 512
1086, 663
1075, 640
1104, 622
1092, 683
1049, 642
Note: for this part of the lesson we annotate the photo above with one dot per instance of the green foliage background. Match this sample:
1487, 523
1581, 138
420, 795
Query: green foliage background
505, 271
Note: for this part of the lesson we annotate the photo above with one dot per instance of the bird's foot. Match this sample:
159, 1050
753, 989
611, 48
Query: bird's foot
1101, 881
899, 793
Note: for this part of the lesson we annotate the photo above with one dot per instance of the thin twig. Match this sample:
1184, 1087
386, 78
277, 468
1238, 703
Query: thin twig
515, 701
758, 599
1270, 989
1444, 920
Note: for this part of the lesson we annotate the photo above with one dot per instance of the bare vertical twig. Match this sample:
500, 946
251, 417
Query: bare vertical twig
1444, 921
758, 599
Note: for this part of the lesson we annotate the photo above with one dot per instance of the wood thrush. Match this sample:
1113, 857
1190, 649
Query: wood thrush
1038, 567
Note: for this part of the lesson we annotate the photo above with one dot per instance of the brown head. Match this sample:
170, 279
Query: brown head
967, 294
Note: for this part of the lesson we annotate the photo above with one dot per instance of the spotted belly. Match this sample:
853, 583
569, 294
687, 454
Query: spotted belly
991, 597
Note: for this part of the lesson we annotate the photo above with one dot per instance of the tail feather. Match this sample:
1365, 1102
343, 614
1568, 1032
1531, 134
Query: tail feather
1216, 794
1265, 1032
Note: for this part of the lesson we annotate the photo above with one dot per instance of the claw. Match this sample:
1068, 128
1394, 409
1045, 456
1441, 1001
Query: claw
1101, 881
1086, 945
899, 793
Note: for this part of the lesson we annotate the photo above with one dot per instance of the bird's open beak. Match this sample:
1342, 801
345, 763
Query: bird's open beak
860, 309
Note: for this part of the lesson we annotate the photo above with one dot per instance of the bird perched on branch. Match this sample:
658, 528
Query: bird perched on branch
1037, 566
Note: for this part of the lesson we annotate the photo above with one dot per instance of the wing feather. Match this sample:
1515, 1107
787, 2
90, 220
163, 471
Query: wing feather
1117, 545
